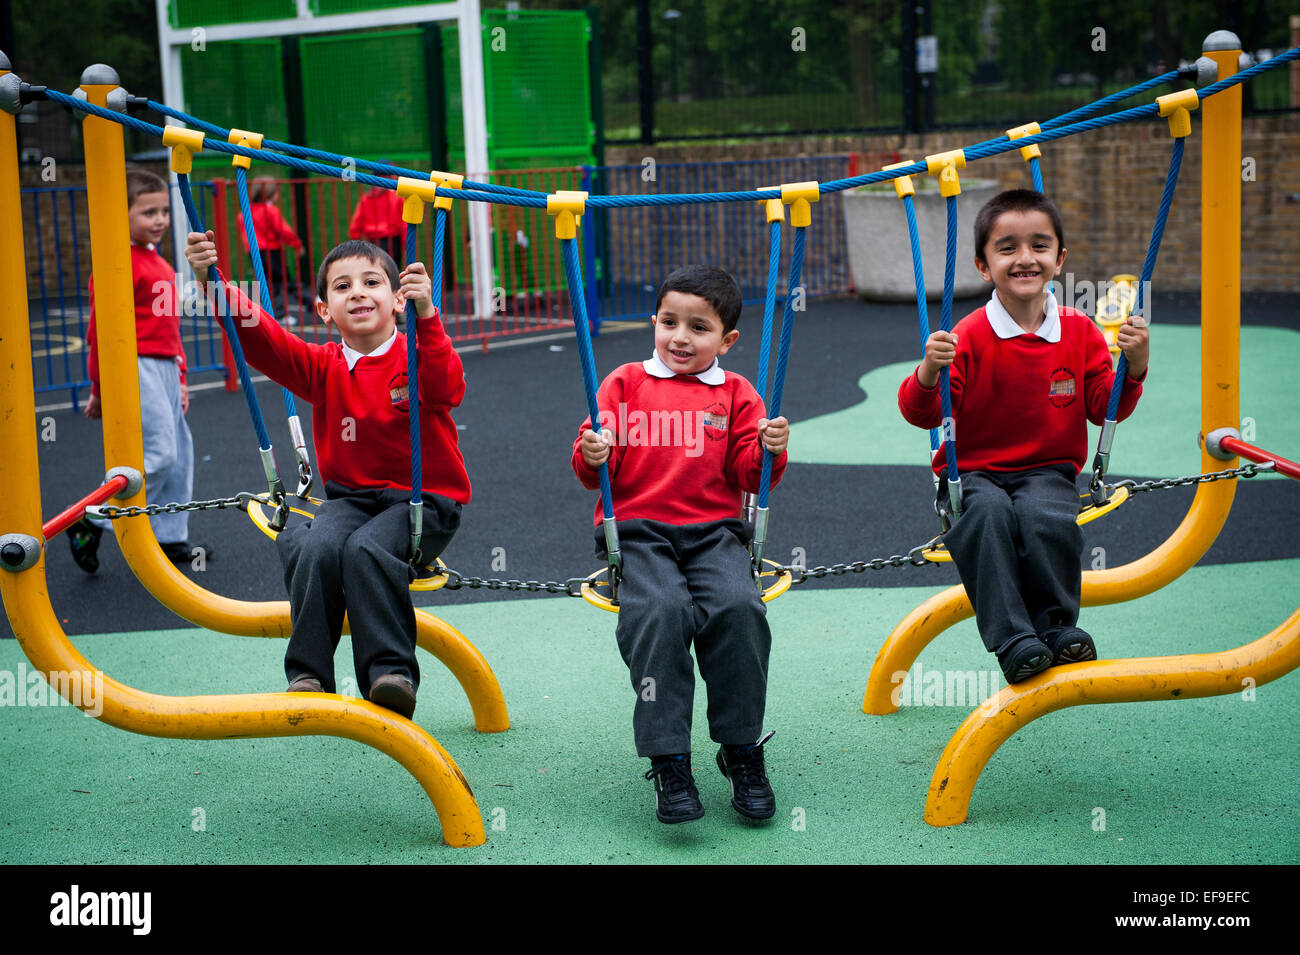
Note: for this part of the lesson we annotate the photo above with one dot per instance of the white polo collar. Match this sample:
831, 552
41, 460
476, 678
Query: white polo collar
713, 375
1004, 326
352, 356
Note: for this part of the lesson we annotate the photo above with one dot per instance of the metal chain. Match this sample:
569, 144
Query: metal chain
1245, 471
571, 587
913, 558
241, 501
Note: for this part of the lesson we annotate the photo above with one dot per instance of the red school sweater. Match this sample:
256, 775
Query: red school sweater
360, 418
157, 329
378, 216
1023, 402
270, 226
684, 451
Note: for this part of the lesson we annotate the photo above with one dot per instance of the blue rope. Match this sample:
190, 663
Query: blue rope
254, 409
439, 240
783, 356
1037, 175
241, 182
578, 305
945, 323
413, 376
1148, 266
922, 307
1105, 101
769, 306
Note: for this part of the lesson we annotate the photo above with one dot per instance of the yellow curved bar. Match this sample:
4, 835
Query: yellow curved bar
1103, 681
595, 590
123, 445
26, 597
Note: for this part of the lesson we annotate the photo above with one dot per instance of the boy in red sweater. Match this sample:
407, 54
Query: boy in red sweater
273, 234
164, 397
1027, 375
354, 555
684, 441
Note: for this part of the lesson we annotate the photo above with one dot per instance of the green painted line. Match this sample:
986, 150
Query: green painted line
1159, 440
1185, 781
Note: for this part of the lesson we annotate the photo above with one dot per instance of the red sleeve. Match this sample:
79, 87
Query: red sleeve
610, 395
442, 377
923, 406
745, 450
92, 351
284, 358
283, 229
1099, 378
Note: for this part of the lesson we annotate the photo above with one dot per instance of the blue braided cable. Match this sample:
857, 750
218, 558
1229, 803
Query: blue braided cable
1148, 266
782, 357
437, 267
259, 271
922, 307
227, 322
1098, 105
578, 306
413, 375
769, 306
945, 323
1037, 174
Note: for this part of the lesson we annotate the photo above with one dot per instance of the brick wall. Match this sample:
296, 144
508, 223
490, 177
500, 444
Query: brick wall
1108, 185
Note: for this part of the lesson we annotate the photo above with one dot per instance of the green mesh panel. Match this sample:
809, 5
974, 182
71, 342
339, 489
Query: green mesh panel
237, 83
321, 7
379, 113
197, 13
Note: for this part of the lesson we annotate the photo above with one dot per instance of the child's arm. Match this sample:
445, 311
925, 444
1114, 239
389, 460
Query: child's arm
754, 433
442, 377
286, 233
1135, 342
591, 449
1099, 377
281, 356
919, 399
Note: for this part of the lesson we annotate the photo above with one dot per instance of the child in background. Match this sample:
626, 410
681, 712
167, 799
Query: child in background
1027, 375
273, 234
354, 555
378, 219
164, 397
678, 488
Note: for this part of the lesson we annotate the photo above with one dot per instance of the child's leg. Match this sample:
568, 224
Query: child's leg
376, 578
312, 556
732, 640
1051, 555
984, 546
655, 625
168, 446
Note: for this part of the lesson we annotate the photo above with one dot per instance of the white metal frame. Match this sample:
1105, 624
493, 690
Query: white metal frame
473, 94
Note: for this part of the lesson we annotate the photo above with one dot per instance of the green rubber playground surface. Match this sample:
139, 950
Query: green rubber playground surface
1185, 781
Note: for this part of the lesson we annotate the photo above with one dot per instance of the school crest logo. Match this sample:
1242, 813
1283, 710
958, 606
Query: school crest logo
398, 393
1061, 388
714, 419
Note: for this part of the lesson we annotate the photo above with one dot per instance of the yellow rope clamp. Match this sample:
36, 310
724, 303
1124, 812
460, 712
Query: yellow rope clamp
773, 208
1177, 107
798, 195
903, 184
242, 137
415, 192
945, 166
184, 143
1020, 132
445, 180
567, 206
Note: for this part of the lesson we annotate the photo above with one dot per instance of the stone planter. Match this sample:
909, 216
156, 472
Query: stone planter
880, 254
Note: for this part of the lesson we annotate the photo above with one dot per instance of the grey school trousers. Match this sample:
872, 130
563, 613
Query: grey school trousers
1019, 552
353, 556
682, 585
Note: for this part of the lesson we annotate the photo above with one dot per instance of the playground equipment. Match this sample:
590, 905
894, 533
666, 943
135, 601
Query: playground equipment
278, 714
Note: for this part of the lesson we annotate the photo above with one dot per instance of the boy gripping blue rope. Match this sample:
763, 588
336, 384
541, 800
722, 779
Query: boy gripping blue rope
1027, 375
683, 441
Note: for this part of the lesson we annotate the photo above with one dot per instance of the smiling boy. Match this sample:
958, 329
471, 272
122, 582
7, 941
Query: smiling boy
1027, 375
686, 567
354, 555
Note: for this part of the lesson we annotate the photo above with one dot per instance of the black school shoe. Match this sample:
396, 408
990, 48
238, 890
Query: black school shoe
1027, 657
676, 798
1070, 645
83, 538
182, 552
751, 793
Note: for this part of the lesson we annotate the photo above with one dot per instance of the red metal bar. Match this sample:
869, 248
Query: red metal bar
1260, 456
61, 522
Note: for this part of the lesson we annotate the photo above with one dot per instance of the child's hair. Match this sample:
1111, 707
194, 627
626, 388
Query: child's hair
1014, 200
355, 248
140, 181
710, 283
263, 189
